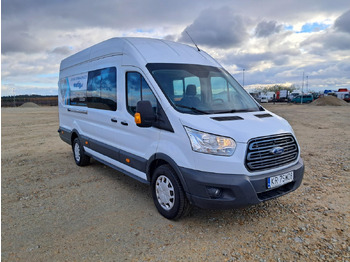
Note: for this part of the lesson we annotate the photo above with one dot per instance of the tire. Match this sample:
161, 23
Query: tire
81, 159
168, 194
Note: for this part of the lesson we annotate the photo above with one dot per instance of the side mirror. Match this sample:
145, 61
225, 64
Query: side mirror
144, 116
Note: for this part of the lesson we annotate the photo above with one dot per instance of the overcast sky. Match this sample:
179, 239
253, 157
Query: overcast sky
274, 41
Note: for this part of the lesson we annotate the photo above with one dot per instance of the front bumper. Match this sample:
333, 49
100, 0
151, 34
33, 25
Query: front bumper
237, 190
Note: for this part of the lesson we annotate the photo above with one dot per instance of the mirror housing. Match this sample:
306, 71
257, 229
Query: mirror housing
144, 116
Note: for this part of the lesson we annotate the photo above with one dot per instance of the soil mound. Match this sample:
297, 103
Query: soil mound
29, 104
329, 101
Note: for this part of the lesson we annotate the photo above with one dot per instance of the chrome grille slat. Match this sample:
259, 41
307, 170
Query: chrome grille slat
271, 164
272, 161
266, 153
272, 146
257, 145
259, 156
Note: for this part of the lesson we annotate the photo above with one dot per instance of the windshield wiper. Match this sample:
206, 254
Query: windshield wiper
234, 111
193, 109
227, 111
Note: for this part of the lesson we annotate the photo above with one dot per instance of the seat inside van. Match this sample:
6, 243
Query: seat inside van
190, 99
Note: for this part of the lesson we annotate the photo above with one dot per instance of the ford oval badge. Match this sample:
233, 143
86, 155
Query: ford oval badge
277, 150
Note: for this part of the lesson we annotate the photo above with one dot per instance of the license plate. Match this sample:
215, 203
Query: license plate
280, 180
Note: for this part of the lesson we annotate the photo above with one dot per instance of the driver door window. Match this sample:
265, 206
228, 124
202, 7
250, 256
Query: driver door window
137, 89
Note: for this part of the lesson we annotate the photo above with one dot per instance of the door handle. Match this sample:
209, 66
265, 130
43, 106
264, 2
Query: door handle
114, 120
124, 123
77, 111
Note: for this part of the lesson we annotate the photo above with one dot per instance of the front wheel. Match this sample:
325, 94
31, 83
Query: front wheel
168, 194
81, 159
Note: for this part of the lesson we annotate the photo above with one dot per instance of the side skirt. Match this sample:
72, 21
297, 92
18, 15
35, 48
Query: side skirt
138, 175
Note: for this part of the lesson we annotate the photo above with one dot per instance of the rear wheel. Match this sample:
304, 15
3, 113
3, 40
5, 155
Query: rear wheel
81, 159
168, 194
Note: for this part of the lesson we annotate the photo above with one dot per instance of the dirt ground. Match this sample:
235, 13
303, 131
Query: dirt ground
53, 210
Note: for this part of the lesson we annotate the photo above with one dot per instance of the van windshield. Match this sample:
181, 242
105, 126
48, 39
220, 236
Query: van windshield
198, 89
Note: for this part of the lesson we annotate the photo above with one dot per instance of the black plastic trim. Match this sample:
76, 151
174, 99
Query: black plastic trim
263, 115
65, 135
227, 118
120, 169
114, 153
136, 162
117, 154
172, 163
162, 121
103, 149
237, 190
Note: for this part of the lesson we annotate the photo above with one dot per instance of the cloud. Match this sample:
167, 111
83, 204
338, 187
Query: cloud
343, 22
62, 50
265, 28
38, 34
32, 26
334, 39
219, 28
323, 44
253, 60
20, 42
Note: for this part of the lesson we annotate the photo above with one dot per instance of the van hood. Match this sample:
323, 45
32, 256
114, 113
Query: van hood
240, 126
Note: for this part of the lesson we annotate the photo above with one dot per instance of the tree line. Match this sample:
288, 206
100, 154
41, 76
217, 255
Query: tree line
14, 101
276, 88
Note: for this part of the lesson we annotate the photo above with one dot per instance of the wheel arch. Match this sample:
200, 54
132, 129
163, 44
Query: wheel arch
159, 159
74, 135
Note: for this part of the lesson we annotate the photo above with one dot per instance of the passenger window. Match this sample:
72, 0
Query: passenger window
63, 94
102, 89
194, 80
219, 88
137, 89
74, 88
178, 89
222, 90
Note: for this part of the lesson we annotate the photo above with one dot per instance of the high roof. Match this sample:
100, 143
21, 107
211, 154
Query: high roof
141, 51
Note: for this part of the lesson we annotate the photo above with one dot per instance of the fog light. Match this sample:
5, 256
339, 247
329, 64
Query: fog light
214, 192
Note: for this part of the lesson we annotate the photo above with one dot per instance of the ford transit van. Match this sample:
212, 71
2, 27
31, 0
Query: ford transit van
169, 115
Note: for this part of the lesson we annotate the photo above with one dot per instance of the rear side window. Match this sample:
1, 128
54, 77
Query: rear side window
102, 89
73, 89
137, 89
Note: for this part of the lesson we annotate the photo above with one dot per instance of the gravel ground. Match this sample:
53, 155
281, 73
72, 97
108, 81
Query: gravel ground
53, 210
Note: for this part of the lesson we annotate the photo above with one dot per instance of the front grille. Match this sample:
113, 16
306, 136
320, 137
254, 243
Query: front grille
259, 153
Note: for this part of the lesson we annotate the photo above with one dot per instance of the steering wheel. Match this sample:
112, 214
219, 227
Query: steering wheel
218, 101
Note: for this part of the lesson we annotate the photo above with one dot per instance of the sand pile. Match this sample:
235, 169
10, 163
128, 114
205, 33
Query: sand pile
329, 101
29, 104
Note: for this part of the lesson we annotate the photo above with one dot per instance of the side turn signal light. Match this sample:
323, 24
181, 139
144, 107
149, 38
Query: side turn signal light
137, 118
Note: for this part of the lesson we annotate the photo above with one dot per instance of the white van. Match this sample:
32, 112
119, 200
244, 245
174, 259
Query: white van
264, 99
170, 116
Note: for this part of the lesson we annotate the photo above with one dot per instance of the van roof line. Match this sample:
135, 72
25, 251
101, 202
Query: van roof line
93, 59
140, 50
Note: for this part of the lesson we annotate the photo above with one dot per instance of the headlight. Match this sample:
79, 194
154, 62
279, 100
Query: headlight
211, 144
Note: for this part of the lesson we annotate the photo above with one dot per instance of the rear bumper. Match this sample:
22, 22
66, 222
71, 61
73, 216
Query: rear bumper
237, 190
65, 135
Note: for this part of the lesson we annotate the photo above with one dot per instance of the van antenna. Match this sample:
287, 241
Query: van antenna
193, 41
